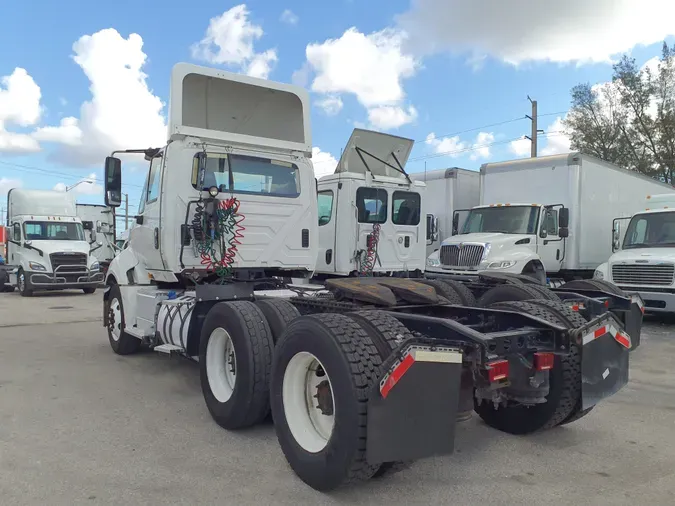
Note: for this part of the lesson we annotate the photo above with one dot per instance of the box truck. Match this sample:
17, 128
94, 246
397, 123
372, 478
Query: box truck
98, 222
47, 248
644, 253
446, 190
544, 217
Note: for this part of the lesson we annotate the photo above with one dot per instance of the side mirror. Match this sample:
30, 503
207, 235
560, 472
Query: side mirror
113, 181
201, 169
563, 232
564, 217
139, 219
455, 223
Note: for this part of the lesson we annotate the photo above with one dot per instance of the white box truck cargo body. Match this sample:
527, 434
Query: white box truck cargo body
517, 228
447, 190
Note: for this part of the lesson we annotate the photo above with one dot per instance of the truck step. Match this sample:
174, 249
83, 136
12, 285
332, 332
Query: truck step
168, 349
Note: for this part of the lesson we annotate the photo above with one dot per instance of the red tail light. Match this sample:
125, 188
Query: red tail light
543, 361
498, 370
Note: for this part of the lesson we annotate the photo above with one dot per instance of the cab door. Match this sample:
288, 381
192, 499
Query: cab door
144, 237
406, 222
327, 227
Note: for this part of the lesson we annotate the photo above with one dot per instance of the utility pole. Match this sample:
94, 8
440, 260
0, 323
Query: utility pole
126, 211
535, 130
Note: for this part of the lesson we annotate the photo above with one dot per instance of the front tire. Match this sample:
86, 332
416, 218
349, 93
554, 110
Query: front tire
120, 342
349, 365
235, 359
23, 284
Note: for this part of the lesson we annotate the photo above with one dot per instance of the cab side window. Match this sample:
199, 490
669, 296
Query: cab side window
16, 232
552, 222
325, 206
372, 205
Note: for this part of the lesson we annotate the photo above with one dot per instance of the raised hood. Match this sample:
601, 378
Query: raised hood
379, 151
214, 104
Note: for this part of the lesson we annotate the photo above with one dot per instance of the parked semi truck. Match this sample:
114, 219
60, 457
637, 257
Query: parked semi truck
446, 190
546, 217
644, 253
98, 222
370, 211
362, 375
47, 248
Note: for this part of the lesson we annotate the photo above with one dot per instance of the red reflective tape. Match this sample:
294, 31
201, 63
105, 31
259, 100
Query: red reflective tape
600, 332
623, 339
575, 307
396, 375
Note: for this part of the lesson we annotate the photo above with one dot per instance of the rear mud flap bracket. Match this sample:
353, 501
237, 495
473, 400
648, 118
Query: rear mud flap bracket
412, 412
604, 361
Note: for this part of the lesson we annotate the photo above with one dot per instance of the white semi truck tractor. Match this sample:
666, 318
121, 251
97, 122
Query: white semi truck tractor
47, 248
371, 213
363, 374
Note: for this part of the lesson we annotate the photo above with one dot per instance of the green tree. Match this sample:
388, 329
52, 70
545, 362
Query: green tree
629, 121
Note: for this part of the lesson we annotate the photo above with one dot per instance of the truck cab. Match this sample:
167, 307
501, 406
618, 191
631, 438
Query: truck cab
644, 254
511, 238
47, 248
370, 211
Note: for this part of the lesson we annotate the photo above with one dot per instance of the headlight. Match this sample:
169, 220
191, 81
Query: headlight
598, 274
95, 266
433, 262
501, 265
34, 266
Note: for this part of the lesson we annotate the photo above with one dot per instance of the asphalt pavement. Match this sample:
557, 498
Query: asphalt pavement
81, 425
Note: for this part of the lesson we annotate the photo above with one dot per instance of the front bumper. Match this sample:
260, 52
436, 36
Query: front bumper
65, 278
655, 302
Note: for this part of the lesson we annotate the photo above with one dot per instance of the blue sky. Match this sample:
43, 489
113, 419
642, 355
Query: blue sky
411, 68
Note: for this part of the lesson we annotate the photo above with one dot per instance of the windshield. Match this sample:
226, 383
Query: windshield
53, 231
507, 220
650, 230
249, 174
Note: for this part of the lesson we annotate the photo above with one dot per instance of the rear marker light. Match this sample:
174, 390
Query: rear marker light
543, 361
498, 370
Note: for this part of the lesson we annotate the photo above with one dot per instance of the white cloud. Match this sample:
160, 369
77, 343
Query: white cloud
331, 104
481, 148
556, 141
454, 147
7, 184
521, 147
85, 186
518, 31
19, 106
324, 163
123, 112
386, 117
229, 40
451, 146
288, 16
371, 67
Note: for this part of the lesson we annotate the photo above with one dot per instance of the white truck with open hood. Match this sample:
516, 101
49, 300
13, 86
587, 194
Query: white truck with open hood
362, 374
47, 248
544, 217
371, 213
644, 253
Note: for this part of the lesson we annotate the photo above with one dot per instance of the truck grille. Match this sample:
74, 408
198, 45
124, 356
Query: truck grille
634, 274
75, 262
462, 255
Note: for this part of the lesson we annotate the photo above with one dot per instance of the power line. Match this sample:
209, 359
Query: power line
16, 166
474, 147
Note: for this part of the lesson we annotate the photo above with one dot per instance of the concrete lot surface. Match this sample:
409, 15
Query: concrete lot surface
80, 425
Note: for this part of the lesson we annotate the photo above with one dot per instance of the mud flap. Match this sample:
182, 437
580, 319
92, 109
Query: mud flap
604, 360
412, 412
633, 319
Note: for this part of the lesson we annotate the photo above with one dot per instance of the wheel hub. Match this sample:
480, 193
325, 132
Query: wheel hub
324, 398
